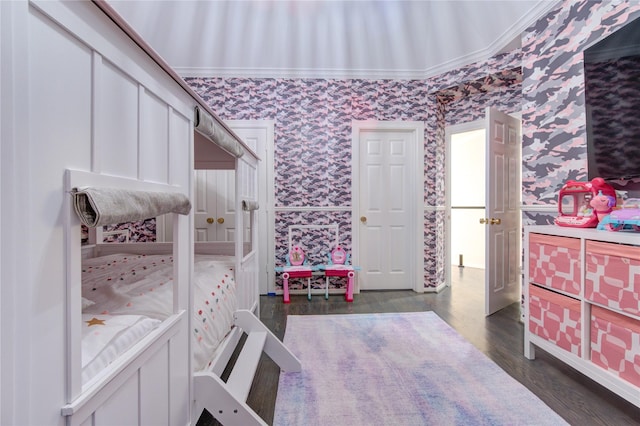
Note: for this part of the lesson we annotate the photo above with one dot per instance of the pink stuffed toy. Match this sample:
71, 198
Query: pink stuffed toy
602, 204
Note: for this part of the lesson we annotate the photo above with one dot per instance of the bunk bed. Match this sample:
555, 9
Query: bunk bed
112, 121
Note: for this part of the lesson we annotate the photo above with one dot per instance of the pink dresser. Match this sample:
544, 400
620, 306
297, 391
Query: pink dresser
555, 318
613, 276
582, 302
555, 262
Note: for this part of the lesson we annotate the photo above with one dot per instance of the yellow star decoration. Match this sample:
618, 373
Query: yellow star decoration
94, 321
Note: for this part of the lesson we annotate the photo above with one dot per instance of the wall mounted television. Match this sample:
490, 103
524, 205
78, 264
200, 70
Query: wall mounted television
612, 101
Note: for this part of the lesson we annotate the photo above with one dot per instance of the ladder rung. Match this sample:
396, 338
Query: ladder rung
244, 370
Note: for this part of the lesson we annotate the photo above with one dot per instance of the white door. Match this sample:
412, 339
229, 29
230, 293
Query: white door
258, 135
387, 224
214, 210
502, 219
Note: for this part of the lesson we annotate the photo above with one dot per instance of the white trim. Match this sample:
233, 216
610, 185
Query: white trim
435, 208
340, 73
547, 208
416, 226
320, 73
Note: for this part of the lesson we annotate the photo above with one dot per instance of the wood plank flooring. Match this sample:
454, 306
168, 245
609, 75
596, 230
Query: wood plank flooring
578, 399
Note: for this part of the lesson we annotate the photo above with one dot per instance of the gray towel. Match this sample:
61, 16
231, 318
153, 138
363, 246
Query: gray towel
249, 205
108, 206
214, 131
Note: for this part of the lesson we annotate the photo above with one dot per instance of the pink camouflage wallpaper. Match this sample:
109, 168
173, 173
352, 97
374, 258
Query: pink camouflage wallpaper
543, 81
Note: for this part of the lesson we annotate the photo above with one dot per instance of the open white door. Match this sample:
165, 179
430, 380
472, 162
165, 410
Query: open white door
502, 219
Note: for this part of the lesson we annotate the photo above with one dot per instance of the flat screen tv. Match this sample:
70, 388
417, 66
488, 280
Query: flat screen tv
612, 100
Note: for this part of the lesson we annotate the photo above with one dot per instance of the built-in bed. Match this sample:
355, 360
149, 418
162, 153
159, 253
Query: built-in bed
103, 334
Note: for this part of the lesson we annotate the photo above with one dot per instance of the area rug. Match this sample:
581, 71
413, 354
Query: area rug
396, 369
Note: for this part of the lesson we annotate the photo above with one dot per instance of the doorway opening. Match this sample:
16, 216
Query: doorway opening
466, 176
467, 170
467, 198
499, 153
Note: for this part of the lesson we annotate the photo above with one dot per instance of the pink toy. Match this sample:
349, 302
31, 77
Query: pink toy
602, 204
338, 256
338, 267
296, 256
625, 218
577, 204
295, 268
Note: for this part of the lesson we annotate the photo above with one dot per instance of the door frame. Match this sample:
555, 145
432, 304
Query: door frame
416, 203
265, 214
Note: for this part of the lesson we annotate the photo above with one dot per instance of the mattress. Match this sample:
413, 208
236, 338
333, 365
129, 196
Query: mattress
126, 296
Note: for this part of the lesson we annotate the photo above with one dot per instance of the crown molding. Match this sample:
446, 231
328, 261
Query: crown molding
334, 74
509, 40
309, 73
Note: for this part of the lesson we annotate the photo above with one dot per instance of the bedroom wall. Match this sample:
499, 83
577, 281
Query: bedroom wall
553, 113
313, 122
313, 137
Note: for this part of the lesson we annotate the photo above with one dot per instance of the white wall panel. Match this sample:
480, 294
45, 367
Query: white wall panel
179, 377
117, 122
58, 126
86, 98
122, 407
180, 149
154, 386
154, 139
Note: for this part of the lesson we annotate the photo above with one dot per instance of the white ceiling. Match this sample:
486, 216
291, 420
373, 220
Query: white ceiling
328, 39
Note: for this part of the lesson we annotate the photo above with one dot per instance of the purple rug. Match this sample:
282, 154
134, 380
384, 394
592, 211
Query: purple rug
396, 369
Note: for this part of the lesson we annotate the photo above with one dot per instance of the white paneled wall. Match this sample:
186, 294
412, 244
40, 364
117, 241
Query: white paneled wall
84, 97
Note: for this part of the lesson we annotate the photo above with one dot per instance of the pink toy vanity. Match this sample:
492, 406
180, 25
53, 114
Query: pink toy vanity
296, 268
338, 267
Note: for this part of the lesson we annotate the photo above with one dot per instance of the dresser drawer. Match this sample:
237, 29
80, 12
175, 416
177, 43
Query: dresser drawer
555, 262
613, 276
615, 344
555, 318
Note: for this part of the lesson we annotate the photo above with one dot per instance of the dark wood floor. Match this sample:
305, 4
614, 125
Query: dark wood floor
578, 399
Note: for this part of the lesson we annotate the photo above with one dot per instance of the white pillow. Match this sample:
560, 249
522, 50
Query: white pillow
86, 303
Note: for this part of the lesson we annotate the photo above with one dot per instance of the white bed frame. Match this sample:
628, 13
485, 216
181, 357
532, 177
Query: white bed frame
86, 102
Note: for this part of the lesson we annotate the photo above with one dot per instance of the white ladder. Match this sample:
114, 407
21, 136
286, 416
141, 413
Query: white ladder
227, 401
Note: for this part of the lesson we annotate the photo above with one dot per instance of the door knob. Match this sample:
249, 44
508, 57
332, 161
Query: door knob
209, 220
221, 220
492, 221
363, 219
